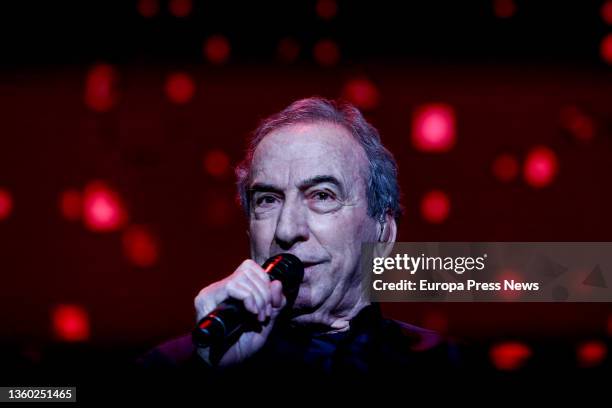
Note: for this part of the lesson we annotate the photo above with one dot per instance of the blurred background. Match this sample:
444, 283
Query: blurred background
122, 121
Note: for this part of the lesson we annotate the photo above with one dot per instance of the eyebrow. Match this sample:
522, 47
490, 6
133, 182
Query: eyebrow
303, 185
313, 181
264, 188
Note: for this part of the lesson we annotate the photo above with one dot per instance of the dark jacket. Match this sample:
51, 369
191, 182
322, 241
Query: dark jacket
373, 347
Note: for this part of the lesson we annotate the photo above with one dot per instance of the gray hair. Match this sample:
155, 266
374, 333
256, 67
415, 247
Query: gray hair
382, 192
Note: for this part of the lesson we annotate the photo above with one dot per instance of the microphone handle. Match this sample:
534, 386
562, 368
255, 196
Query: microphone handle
228, 318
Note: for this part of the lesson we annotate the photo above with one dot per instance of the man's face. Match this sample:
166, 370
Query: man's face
308, 198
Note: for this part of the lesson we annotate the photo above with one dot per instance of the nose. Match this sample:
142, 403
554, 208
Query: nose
291, 226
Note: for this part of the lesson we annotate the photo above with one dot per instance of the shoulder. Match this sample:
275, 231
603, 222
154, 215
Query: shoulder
394, 336
176, 352
417, 338
410, 345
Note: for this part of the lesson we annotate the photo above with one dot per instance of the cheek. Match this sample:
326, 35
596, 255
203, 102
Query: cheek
341, 236
340, 233
367, 230
261, 234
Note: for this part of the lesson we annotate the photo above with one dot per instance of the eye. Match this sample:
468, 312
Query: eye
323, 201
265, 200
322, 196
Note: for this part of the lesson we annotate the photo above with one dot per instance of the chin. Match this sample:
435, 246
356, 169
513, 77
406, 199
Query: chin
304, 301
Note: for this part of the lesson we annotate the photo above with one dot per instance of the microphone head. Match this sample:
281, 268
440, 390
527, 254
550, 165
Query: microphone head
288, 269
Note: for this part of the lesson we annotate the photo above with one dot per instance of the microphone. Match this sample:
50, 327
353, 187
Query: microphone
231, 317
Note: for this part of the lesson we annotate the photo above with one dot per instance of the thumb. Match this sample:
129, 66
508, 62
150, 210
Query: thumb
279, 301
276, 311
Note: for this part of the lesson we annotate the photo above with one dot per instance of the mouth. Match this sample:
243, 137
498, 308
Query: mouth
311, 264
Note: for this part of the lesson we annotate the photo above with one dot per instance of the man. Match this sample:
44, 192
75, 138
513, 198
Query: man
317, 183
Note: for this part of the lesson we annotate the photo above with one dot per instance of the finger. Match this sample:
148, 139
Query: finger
209, 298
262, 283
203, 305
252, 266
238, 290
276, 291
258, 296
251, 275
276, 311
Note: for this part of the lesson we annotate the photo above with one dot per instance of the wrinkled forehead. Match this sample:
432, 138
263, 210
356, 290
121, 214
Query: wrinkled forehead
302, 151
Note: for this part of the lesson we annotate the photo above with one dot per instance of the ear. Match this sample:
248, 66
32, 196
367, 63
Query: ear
387, 233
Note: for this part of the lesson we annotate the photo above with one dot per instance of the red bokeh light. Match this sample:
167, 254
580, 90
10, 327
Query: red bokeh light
216, 163
435, 207
327, 9
504, 8
505, 167
217, 49
70, 323
101, 93
288, 50
606, 11
578, 123
326, 53
540, 167
433, 128
606, 49
6, 203
591, 353
71, 204
362, 93
103, 210
510, 355
140, 246
180, 8
436, 321
180, 88
148, 8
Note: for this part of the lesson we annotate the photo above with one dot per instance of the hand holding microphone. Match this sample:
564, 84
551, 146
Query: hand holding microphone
228, 308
